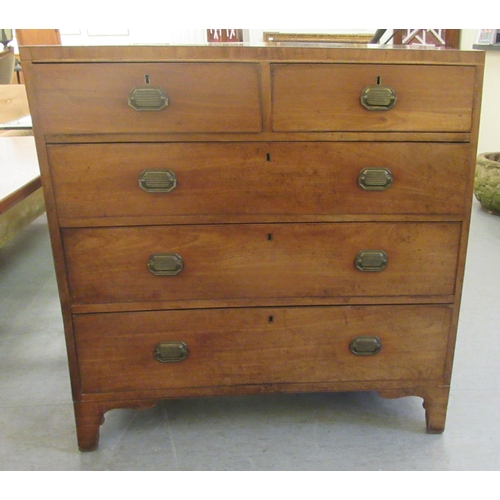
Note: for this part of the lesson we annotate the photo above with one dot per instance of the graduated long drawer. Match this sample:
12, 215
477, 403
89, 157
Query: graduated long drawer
183, 349
104, 180
144, 264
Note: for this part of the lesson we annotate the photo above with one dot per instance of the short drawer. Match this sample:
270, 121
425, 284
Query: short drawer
111, 180
122, 352
256, 261
87, 98
328, 97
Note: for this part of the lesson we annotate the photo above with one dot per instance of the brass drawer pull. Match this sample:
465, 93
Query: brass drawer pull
366, 346
375, 179
171, 352
148, 99
168, 264
371, 260
378, 97
158, 181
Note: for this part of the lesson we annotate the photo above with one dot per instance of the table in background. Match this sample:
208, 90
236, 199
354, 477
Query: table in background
21, 196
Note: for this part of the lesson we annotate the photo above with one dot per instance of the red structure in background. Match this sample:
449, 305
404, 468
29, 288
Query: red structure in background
224, 35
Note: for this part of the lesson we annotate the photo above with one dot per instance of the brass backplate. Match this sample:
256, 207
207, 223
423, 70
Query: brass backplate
366, 346
371, 260
375, 179
148, 99
168, 264
171, 352
378, 98
157, 180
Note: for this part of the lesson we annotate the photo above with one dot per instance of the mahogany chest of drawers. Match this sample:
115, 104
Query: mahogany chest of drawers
234, 220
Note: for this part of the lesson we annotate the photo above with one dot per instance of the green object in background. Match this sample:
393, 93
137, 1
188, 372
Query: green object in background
487, 182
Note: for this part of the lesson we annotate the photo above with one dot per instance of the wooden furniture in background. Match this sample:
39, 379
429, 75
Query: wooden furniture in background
260, 220
35, 37
449, 38
316, 38
21, 195
7, 63
38, 37
13, 102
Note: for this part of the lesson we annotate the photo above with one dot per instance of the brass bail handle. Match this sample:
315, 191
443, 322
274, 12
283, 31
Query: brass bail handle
148, 98
375, 179
167, 264
378, 97
157, 180
366, 346
171, 352
371, 261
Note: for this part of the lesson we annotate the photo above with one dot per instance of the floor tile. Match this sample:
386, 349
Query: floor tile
345, 431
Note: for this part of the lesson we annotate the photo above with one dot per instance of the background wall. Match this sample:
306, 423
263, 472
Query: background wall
127, 36
489, 129
81, 36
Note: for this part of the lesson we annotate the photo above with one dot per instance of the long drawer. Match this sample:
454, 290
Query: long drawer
180, 349
106, 180
164, 263
328, 97
123, 97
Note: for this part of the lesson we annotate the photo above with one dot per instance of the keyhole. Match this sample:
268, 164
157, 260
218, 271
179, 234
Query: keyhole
270, 237
271, 320
147, 79
268, 156
379, 80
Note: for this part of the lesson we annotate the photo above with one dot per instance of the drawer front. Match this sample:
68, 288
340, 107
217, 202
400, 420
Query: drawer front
202, 97
134, 351
255, 261
104, 180
327, 97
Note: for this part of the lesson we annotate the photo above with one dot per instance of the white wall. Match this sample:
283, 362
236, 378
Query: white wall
128, 36
468, 39
489, 129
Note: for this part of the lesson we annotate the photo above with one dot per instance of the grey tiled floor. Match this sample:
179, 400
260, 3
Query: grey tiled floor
279, 432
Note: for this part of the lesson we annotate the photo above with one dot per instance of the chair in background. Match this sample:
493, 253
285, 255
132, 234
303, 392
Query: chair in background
7, 63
